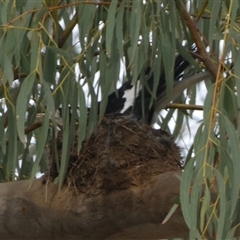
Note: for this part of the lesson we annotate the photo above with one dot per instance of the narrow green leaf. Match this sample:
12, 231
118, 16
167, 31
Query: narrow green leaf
156, 75
166, 119
231, 233
82, 117
200, 140
234, 9
168, 61
7, 69
59, 51
235, 152
111, 75
216, 6
195, 196
104, 83
171, 212
4, 12
49, 101
173, 22
110, 26
12, 151
135, 70
92, 121
73, 100
85, 20
41, 143
8, 46
35, 51
205, 207
22, 102
194, 234
40, 14
20, 5
185, 53
208, 106
222, 206
119, 29
2, 133
27, 159
178, 125
25, 63
185, 192
236, 56
65, 153
135, 24
49, 67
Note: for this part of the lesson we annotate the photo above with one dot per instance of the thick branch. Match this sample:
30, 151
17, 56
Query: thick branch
43, 213
203, 55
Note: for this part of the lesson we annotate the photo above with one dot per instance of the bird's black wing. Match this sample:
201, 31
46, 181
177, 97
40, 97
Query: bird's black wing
141, 109
116, 100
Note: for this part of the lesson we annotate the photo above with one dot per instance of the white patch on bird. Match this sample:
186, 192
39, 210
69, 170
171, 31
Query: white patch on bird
130, 96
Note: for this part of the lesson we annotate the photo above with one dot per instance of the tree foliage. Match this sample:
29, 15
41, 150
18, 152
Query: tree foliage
75, 53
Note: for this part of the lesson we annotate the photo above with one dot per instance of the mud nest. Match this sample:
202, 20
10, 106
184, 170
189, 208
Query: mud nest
120, 153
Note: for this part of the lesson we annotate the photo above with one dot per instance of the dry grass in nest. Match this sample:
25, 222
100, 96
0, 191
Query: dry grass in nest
119, 154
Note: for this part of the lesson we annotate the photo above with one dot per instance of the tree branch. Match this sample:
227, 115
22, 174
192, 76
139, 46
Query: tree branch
203, 55
43, 213
178, 88
184, 106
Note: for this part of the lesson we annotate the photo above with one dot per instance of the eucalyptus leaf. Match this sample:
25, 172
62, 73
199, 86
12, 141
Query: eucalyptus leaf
22, 104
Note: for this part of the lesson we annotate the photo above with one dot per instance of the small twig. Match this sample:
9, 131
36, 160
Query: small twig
178, 88
125, 128
185, 106
199, 15
65, 34
33, 127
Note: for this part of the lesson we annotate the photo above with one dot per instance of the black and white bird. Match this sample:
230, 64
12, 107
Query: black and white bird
124, 101
118, 100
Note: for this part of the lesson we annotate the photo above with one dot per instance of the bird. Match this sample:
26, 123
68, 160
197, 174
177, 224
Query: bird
117, 99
